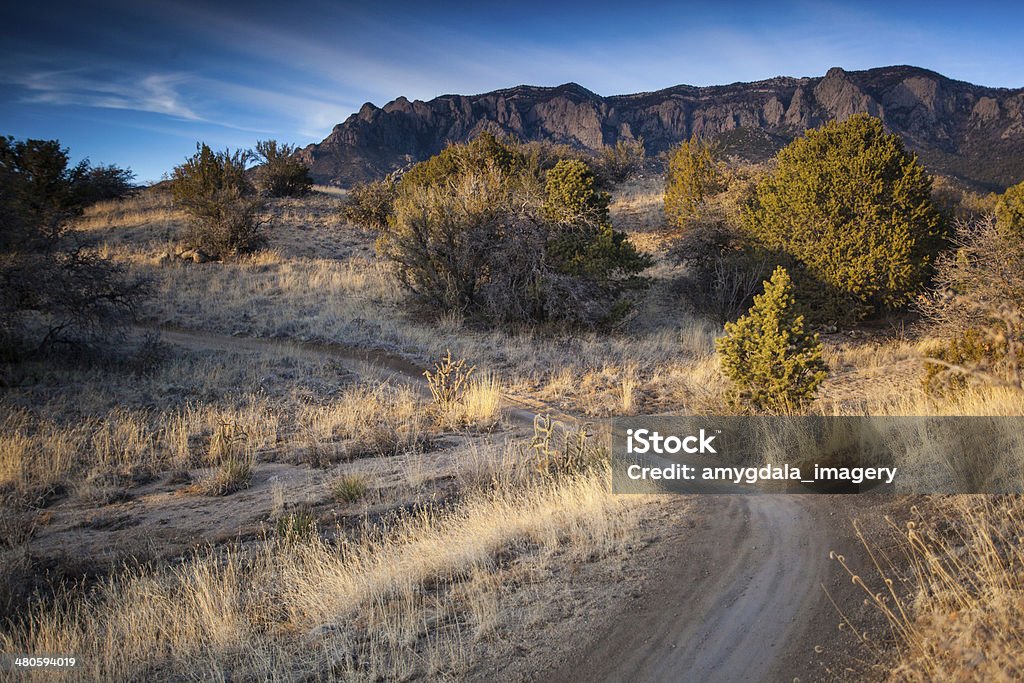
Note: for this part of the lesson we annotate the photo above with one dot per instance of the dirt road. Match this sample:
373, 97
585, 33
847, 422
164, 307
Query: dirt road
379, 365
737, 598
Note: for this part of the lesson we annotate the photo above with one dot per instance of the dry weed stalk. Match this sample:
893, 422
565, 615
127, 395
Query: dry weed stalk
962, 620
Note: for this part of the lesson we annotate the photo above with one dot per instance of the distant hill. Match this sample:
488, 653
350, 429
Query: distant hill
967, 131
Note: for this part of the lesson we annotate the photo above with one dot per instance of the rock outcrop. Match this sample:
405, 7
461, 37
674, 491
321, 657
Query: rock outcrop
967, 131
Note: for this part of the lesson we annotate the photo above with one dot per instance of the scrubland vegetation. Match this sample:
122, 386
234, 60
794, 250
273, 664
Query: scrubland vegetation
396, 522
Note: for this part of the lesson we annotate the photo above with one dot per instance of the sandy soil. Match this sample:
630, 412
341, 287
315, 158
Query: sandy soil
713, 588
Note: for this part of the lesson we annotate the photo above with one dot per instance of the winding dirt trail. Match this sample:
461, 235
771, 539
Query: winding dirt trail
380, 365
737, 598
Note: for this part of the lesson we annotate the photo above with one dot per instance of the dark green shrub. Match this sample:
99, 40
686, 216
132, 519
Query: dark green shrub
213, 188
1010, 211
772, 361
37, 195
50, 283
482, 152
476, 233
853, 211
572, 194
280, 173
584, 242
693, 176
369, 204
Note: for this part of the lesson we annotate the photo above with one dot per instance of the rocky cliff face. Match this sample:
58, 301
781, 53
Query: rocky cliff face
959, 129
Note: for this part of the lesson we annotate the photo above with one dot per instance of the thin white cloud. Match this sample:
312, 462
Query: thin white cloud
156, 93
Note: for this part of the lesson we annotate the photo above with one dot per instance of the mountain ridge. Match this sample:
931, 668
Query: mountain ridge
970, 132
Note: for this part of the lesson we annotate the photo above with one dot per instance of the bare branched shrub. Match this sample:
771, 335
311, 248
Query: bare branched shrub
620, 162
76, 293
444, 240
976, 308
228, 441
724, 270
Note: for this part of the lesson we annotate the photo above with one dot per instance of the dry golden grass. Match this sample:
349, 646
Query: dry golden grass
953, 601
39, 456
231, 474
331, 190
638, 206
319, 279
363, 420
407, 601
93, 430
152, 212
479, 407
348, 488
412, 597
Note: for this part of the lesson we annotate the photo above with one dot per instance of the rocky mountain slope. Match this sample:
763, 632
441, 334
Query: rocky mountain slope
967, 131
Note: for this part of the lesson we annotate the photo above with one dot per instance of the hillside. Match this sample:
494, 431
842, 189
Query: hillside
967, 131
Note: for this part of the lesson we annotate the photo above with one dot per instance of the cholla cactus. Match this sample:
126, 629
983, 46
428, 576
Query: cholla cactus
449, 381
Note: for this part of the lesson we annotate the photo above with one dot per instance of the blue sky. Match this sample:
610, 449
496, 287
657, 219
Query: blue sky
138, 83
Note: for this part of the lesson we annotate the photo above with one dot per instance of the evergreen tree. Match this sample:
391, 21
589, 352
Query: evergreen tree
773, 362
851, 210
1010, 211
693, 176
572, 194
280, 173
52, 285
